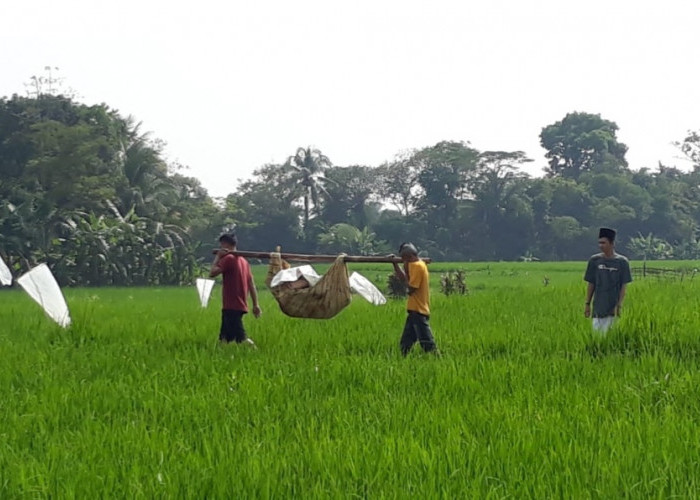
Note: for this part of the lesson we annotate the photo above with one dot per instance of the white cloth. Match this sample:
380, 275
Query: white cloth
5, 274
204, 287
602, 325
294, 273
41, 286
358, 283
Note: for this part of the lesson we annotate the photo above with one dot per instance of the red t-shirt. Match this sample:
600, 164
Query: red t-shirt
235, 272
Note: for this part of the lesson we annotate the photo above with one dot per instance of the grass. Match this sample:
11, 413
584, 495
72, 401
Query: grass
137, 400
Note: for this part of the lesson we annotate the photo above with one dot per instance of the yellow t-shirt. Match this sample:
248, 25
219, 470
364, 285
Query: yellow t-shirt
419, 278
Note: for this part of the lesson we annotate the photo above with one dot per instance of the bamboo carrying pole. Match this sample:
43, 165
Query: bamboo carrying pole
321, 258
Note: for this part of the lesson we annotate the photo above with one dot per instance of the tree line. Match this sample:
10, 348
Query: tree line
87, 191
458, 203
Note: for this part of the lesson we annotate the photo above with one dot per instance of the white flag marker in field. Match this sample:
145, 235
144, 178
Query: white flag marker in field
5, 274
41, 286
204, 287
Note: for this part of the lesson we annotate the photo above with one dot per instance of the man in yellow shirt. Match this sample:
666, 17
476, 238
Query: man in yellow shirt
415, 275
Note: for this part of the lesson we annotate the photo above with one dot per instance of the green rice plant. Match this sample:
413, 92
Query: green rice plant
138, 400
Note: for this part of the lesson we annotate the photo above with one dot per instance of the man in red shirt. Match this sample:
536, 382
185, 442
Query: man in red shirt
238, 283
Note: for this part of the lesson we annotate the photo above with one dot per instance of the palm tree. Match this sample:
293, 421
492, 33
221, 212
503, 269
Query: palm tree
145, 172
310, 166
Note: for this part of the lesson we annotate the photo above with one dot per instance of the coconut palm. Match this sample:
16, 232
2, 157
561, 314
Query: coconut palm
310, 166
145, 171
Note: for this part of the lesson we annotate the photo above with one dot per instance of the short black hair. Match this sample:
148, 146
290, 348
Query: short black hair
408, 247
229, 238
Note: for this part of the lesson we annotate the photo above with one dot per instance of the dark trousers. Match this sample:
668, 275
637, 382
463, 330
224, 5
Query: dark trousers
232, 326
417, 329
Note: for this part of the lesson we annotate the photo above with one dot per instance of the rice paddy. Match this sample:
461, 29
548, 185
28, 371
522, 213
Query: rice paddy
138, 400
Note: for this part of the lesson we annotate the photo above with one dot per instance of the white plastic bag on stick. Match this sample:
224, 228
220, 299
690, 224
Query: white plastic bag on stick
41, 286
361, 285
5, 274
204, 287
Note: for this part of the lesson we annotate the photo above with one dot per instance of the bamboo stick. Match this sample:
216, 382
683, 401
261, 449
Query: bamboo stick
321, 258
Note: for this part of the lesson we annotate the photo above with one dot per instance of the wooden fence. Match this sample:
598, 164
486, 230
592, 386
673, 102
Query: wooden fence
663, 273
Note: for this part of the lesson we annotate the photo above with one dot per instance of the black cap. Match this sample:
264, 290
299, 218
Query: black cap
606, 232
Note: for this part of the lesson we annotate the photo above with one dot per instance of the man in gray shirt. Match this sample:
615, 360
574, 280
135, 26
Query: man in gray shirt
607, 275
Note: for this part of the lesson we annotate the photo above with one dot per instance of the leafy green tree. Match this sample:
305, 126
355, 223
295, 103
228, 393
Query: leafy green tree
569, 198
688, 249
398, 183
690, 146
582, 142
351, 195
394, 227
70, 166
673, 204
444, 171
502, 217
568, 239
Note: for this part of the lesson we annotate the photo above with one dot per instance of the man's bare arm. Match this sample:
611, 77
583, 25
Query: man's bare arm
589, 297
254, 295
400, 274
589, 293
215, 269
403, 277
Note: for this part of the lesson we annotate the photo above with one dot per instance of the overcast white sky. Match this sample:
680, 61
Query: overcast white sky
233, 85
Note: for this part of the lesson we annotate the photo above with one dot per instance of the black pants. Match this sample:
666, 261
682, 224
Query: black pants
417, 329
232, 326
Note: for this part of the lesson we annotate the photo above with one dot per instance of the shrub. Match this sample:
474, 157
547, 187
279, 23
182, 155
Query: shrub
453, 282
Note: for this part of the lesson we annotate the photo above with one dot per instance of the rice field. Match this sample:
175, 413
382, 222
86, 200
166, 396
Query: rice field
138, 400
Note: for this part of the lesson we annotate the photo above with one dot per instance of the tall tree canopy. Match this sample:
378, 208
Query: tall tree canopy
582, 142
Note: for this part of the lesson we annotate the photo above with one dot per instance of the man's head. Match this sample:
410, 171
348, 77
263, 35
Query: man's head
606, 240
408, 252
228, 241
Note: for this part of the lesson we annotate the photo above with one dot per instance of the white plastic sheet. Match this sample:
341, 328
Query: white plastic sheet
41, 286
5, 274
204, 287
364, 287
294, 273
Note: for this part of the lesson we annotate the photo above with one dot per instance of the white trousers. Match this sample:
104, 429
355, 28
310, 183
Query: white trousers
602, 325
